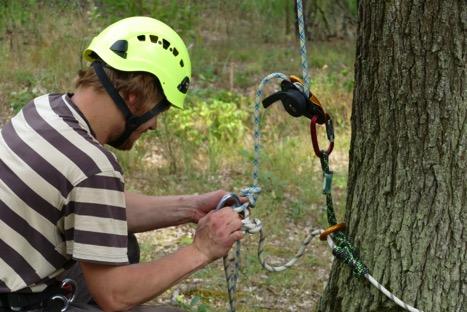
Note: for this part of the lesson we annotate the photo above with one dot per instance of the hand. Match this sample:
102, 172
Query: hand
207, 202
217, 231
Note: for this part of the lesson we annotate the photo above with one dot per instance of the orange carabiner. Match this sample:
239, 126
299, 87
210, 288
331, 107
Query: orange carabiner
334, 228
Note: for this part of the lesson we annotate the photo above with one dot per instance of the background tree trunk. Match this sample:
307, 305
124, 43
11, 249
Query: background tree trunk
406, 204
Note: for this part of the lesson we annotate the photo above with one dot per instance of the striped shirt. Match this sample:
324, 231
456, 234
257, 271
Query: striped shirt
61, 196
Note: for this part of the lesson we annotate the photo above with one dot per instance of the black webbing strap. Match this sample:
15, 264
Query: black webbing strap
113, 93
18, 301
132, 122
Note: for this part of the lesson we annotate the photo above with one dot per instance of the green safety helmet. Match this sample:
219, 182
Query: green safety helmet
145, 44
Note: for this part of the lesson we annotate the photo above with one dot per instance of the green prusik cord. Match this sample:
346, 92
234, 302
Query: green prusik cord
339, 243
343, 249
254, 189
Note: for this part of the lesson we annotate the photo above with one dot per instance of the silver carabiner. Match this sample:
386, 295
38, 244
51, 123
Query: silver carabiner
226, 198
66, 302
67, 282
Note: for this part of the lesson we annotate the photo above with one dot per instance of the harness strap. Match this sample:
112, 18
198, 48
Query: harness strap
45, 300
132, 122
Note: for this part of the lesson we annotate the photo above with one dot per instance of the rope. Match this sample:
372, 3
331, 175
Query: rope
232, 260
278, 268
256, 121
303, 54
380, 287
342, 249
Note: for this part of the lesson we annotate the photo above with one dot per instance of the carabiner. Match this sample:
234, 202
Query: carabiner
65, 303
314, 137
226, 198
334, 228
69, 287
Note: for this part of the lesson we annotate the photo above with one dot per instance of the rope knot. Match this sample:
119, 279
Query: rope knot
250, 192
344, 250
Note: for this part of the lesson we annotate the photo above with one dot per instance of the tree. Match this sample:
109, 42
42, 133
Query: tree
324, 19
406, 203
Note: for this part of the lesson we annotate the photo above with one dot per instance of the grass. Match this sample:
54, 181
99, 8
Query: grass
230, 52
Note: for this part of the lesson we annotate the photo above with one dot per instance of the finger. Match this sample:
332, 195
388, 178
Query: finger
235, 236
243, 199
225, 211
228, 212
233, 225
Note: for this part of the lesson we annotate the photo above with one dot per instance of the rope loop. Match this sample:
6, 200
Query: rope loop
342, 249
251, 192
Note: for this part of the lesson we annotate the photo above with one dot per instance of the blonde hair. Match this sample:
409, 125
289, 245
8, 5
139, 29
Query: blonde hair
145, 86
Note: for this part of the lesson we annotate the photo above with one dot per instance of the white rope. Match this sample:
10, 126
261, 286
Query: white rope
292, 261
380, 287
252, 226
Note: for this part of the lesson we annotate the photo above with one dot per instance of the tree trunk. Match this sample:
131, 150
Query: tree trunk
406, 204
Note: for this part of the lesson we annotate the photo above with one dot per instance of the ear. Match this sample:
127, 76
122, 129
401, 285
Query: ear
132, 101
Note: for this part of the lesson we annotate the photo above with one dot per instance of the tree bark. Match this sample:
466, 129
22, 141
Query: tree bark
406, 204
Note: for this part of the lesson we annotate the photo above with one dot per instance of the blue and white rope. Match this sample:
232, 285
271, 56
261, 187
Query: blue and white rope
257, 124
252, 226
303, 53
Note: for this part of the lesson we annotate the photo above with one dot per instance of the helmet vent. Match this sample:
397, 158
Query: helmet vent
153, 38
120, 47
175, 52
181, 63
141, 38
184, 85
165, 44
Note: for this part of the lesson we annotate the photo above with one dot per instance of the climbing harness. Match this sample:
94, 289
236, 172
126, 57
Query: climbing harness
55, 298
298, 101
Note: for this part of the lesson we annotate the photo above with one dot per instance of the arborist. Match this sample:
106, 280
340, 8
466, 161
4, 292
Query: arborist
64, 212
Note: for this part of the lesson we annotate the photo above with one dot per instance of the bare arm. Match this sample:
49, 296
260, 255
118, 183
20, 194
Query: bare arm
145, 213
117, 288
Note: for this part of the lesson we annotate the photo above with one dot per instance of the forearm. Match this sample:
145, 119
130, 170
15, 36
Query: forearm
145, 213
111, 286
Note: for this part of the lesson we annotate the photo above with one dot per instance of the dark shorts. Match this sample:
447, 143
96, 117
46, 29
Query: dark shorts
83, 299
82, 294
141, 308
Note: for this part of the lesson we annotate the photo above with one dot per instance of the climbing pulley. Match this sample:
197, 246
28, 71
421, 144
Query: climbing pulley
297, 104
297, 101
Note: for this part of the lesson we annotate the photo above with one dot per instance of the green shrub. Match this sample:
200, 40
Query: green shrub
208, 121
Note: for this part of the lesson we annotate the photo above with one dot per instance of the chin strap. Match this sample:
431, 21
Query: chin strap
132, 122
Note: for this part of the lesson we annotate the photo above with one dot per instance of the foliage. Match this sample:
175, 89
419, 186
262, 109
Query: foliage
193, 305
21, 98
208, 121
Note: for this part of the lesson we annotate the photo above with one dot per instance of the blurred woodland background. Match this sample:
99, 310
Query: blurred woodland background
233, 45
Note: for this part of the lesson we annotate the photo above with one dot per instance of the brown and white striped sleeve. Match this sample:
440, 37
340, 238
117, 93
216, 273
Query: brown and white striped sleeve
95, 220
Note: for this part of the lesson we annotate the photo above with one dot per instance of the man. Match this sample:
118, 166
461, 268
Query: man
62, 197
